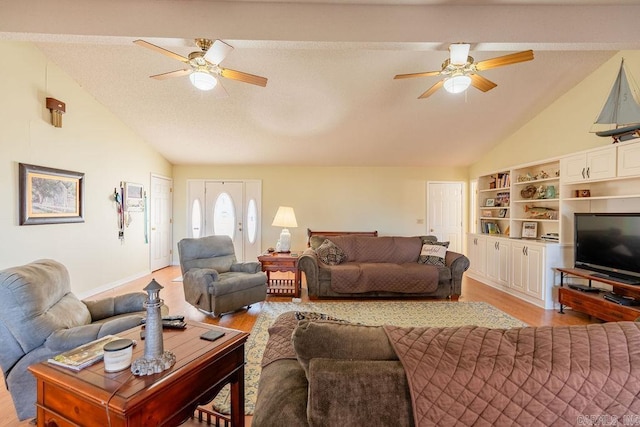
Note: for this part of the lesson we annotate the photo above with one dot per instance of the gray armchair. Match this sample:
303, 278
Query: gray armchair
214, 281
40, 317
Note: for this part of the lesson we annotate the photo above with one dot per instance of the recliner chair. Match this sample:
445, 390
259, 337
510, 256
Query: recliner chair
213, 280
40, 317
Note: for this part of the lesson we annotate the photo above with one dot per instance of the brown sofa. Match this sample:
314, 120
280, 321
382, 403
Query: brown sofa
331, 373
385, 266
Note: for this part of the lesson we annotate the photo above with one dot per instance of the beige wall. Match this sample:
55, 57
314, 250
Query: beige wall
91, 141
564, 126
389, 200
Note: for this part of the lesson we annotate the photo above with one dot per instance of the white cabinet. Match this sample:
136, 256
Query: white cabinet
476, 254
497, 253
629, 159
588, 166
528, 268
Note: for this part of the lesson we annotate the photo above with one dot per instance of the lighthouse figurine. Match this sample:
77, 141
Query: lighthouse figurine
155, 359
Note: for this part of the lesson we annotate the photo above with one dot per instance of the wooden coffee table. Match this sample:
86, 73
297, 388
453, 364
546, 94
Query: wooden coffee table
282, 261
92, 397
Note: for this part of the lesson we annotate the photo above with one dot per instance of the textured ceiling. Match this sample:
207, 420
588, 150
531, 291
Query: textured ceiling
331, 98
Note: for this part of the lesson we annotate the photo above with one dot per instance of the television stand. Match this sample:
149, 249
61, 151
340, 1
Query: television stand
633, 282
594, 303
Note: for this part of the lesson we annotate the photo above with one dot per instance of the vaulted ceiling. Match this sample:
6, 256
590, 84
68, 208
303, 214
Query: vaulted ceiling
331, 98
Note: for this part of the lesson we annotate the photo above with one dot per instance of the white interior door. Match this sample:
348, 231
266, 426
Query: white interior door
160, 213
444, 212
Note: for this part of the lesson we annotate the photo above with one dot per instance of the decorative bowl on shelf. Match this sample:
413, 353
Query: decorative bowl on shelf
528, 192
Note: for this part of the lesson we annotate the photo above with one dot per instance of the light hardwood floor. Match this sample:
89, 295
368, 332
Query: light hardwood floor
173, 296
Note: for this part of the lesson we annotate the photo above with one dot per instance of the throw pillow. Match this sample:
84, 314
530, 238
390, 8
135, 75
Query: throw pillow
433, 253
329, 253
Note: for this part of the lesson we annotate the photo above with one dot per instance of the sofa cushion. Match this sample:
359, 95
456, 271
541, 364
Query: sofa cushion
329, 253
339, 340
392, 249
358, 393
433, 253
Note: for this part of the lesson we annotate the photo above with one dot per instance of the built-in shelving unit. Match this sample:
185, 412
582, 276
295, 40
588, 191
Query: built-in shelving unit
542, 198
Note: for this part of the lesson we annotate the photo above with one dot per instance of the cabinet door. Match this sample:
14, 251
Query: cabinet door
520, 267
504, 263
591, 166
601, 164
498, 261
477, 250
535, 273
629, 160
573, 168
491, 252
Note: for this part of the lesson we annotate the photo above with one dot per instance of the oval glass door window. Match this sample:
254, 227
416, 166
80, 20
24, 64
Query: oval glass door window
224, 216
252, 221
196, 218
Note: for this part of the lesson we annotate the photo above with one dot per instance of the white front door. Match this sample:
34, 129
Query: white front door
444, 212
160, 212
224, 212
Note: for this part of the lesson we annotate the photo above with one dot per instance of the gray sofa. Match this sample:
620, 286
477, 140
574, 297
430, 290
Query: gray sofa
385, 266
40, 317
331, 373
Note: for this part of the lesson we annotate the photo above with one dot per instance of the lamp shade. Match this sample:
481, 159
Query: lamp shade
285, 217
203, 80
457, 83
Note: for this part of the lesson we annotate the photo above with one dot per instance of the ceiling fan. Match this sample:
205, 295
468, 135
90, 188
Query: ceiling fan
204, 66
460, 70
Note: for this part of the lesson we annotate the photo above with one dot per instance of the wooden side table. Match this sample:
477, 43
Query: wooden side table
94, 398
282, 261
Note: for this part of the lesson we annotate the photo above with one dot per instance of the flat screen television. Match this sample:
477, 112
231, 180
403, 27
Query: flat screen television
608, 243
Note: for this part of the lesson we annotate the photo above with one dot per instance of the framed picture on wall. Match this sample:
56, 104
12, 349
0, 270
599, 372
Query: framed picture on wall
49, 196
529, 230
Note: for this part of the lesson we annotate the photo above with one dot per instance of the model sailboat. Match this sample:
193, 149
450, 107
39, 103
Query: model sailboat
621, 110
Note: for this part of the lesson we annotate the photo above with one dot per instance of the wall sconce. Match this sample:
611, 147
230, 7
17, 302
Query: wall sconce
57, 110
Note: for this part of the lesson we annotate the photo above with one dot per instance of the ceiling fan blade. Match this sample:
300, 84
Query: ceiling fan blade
161, 50
499, 61
177, 73
217, 52
481, 83
243, 77
432, 90
409, 76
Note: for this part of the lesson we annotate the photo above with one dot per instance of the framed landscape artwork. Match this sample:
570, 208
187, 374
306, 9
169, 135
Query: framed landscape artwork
49, 196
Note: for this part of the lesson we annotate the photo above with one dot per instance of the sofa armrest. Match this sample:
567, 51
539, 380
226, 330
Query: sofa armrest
308, 264
197, 285
458, 263
358, 393
114, 306
247, 267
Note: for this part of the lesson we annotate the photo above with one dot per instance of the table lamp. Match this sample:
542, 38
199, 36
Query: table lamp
285, 217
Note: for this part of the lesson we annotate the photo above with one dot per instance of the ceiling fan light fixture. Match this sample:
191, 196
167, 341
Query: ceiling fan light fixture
203, 80
457, 83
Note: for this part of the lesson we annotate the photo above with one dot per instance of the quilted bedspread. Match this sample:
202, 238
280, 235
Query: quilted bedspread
561, 376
